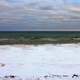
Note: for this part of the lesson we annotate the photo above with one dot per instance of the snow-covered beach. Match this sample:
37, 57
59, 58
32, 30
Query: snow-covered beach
31, 62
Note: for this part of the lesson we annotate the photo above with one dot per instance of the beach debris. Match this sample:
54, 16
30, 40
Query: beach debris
2, 65
75, 76
44, 77
11, 77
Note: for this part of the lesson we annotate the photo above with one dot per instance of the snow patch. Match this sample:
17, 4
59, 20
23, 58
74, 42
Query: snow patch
31, 60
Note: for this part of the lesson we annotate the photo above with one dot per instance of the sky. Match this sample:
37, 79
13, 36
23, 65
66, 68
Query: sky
39, 15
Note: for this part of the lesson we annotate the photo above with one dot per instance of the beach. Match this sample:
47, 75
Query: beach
33, 62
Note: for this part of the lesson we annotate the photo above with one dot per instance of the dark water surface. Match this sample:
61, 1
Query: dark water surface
16, 34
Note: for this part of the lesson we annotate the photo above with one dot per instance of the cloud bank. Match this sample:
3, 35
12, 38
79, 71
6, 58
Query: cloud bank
39, 14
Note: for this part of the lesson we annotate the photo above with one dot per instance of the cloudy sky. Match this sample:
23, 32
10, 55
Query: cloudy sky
31, 15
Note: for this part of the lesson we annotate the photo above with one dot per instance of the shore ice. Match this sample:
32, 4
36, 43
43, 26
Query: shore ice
39, 60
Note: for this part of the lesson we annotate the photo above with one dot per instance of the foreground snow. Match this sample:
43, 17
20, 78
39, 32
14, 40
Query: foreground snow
44, 62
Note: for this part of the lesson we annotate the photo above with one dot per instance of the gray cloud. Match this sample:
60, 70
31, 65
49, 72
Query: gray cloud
42, 8
38, 15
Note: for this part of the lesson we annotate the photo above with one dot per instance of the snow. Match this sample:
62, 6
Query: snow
36, 61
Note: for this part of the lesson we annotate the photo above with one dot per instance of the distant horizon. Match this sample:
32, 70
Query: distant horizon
41, 31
